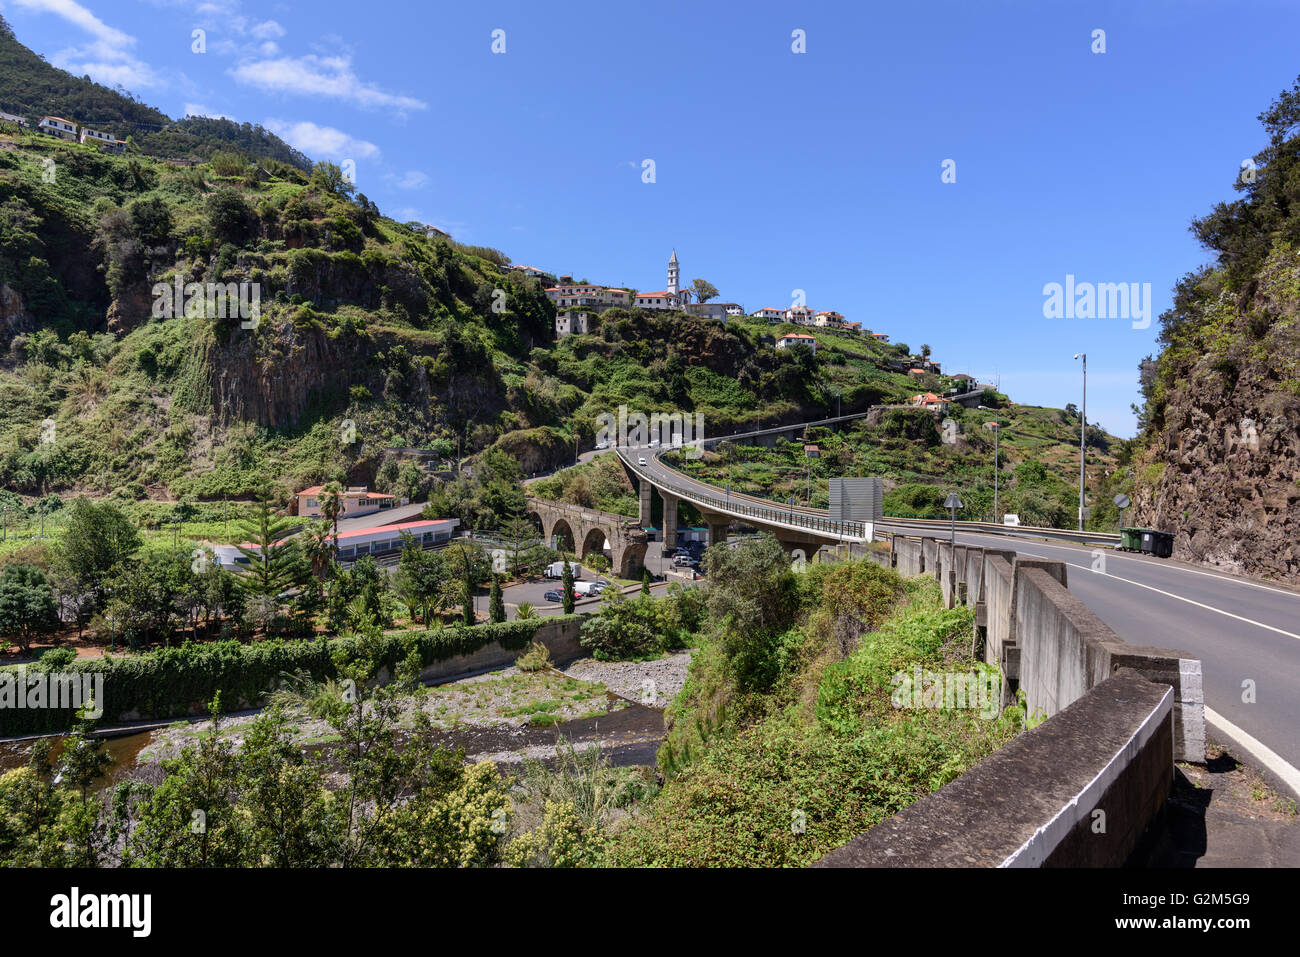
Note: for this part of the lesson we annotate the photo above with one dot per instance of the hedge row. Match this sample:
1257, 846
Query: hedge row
177, 682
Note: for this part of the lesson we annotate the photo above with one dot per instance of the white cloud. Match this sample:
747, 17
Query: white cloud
317, 141
411, 179
313, 75
107, 57
198, 109
270, 30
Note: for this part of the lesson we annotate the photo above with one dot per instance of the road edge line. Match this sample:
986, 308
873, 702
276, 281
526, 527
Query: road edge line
1271, 761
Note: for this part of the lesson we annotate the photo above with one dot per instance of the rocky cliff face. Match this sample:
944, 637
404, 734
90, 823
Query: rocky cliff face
271, 379
1223, 473
13, 317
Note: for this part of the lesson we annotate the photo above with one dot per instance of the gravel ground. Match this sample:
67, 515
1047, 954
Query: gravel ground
652, 683
505, 699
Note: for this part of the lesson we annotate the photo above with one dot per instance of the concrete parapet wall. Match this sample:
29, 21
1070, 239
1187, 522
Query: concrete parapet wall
907, 555
1079, 790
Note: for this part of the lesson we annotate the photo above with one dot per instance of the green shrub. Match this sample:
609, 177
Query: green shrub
171, 682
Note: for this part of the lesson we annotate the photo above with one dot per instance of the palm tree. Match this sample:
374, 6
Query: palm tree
318, 547
331, 504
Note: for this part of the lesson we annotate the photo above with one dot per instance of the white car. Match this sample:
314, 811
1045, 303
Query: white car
640, 460
654, 443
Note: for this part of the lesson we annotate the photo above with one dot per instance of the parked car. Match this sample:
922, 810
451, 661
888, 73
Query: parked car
554, 594
654, 443
584, 589
687, 560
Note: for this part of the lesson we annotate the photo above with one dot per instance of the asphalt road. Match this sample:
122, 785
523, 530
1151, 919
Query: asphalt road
1246, 633
1242, 631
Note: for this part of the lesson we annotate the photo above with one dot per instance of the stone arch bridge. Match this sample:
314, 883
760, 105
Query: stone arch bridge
586, 531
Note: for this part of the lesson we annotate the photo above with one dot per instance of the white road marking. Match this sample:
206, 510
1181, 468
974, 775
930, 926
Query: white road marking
1189, 571
1256, 749
1169, 594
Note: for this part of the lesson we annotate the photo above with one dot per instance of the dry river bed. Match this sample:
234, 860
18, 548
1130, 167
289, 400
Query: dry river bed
504, 716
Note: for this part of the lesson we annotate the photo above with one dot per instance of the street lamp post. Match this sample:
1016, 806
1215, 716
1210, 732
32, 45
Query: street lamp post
997, 467
954, 503
1083, 432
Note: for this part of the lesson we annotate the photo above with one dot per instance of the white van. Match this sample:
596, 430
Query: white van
585, 589
556, 570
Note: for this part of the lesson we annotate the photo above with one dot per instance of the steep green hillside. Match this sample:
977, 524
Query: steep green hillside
30, 87
1220, 461
366, 329
920, 459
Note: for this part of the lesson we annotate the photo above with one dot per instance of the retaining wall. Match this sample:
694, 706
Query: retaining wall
559, 636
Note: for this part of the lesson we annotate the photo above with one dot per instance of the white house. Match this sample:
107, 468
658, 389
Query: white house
12, 118
567, 322
57, 126
709, 310
663, 299
105, 140
796, 339
733, 308
527, 270
800, 314
770, 314
829, 318
355, 501
587, 295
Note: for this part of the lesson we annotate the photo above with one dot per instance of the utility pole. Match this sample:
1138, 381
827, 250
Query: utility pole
997, 467
1083, 432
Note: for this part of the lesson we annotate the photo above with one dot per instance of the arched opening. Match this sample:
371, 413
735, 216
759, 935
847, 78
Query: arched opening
595, 542
562, 537
632, 560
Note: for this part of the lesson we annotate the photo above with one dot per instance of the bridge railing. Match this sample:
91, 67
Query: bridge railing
777, 516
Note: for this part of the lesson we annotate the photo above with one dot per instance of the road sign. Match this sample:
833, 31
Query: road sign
1122, 501
952, 502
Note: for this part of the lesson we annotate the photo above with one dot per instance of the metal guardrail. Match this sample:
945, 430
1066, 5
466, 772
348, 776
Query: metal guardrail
1010, 531
789, 518
801, 516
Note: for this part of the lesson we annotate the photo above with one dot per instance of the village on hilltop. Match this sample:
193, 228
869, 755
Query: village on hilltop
577, 303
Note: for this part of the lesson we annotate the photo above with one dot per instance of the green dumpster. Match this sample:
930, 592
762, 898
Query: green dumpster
1130, 539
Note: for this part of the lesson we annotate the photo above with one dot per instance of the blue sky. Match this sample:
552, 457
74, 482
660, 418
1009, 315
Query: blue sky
774, 171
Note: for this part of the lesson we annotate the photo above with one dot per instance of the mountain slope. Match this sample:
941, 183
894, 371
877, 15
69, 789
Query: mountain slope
1220, 464
31, 87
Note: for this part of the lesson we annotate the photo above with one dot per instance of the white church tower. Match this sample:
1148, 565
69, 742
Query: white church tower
673, 282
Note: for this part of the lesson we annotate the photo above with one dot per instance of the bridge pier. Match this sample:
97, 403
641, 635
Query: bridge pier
670, 519
718, 527
645, 516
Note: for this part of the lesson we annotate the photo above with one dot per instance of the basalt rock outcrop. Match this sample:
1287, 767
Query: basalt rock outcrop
1223, 470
